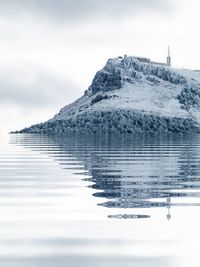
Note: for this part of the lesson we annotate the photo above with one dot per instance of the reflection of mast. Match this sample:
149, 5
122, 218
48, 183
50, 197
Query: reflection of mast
168, 208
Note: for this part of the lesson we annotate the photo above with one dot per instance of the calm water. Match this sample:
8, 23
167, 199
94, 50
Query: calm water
99, 201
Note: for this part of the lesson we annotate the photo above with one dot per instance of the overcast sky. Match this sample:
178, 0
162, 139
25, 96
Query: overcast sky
50, 50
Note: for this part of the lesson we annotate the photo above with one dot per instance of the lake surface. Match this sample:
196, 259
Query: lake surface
99, 201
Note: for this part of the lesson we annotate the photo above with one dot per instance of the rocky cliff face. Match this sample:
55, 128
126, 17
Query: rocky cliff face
118, 72
128, 96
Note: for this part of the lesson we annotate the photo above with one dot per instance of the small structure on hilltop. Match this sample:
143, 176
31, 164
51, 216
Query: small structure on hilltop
148, 60
144, 59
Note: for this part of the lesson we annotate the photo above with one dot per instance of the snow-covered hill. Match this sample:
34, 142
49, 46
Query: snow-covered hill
131, 96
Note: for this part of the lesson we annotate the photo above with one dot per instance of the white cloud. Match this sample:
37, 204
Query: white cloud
64, 10
31, 86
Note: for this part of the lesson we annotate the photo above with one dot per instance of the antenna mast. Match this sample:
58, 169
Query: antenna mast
169, 58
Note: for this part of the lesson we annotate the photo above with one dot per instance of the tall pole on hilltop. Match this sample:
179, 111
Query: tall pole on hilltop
169, 58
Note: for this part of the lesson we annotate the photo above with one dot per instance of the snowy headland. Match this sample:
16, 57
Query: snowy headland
130, 96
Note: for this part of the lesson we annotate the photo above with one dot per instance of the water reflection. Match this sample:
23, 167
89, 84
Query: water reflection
129, 172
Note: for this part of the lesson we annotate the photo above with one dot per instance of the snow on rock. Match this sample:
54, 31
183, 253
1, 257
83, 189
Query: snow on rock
131, 96
118, 72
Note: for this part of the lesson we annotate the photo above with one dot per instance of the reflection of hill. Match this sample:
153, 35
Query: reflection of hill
130, 172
